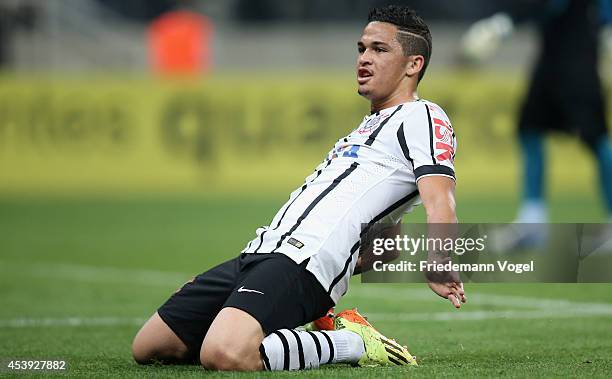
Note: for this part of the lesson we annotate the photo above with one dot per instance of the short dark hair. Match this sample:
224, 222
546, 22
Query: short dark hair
413, 33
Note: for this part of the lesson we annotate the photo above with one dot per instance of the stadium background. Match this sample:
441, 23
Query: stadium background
119, 181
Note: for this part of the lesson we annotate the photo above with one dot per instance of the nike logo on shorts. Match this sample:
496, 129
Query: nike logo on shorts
242, 289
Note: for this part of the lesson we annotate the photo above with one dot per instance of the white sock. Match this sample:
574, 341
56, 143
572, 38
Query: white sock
289, 349
349, 346
532, 211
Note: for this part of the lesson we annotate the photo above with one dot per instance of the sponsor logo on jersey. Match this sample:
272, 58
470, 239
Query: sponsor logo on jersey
444, 139
348, 151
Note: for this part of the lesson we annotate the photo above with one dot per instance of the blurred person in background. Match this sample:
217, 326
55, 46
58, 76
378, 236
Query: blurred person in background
14, 16
565, 93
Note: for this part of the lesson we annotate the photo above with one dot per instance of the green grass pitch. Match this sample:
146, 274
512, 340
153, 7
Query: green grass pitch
78, 277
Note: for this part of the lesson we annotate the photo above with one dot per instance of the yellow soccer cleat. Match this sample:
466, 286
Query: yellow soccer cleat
379, 350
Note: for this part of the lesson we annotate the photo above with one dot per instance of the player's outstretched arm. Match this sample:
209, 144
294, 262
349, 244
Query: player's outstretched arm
438, 196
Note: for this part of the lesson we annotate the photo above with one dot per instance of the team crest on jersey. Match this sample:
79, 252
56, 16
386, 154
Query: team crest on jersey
371, 124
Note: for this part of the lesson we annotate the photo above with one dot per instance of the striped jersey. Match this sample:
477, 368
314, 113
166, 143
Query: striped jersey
368, 178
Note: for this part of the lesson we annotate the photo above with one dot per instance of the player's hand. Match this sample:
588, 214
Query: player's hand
451, 290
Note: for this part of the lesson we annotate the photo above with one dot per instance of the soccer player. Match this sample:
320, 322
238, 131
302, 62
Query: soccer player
241, 314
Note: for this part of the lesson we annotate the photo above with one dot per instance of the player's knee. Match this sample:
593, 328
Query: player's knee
232, 342
146, 353
213, 357
154, 342
142, 353
225, 358
218, 357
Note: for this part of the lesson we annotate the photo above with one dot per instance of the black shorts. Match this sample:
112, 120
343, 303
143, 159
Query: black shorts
572, 103
272, 288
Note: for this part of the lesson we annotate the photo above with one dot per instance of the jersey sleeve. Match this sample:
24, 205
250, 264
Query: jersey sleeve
428, 142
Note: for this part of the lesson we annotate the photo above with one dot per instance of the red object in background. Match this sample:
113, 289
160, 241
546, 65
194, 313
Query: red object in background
180, 43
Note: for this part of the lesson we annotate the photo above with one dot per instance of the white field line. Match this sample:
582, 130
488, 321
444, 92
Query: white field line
70, 322
171, 280
529, 307
381, 292
487, 315
376, 317
98, 274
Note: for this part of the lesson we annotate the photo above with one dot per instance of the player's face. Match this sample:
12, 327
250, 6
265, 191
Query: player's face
381, 62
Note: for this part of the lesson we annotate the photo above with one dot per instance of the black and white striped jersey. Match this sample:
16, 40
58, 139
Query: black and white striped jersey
369, 177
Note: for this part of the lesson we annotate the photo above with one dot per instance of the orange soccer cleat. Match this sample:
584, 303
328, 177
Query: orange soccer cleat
327, 322
324, 323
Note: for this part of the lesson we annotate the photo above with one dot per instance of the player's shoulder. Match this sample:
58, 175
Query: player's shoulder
421, 112
422, 109
434, 111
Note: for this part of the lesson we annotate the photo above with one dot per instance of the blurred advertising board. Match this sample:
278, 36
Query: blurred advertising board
232, 133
